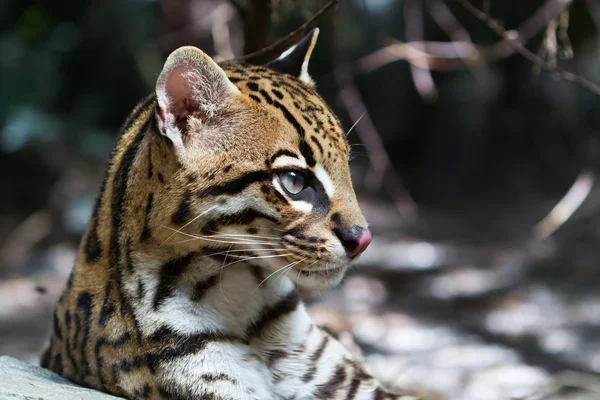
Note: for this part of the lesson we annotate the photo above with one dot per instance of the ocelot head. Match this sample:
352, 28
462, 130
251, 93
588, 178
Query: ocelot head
262, 170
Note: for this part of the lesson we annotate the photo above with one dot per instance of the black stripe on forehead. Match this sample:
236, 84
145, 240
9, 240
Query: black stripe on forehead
307, 153
283, 152
304, 148
316, 141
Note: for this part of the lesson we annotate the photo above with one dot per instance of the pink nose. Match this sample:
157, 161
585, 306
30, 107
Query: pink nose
355, 240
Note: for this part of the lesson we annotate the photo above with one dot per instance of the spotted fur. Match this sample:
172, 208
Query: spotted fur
185, 282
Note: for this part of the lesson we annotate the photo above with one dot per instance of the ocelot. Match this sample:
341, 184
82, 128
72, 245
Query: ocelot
229, 186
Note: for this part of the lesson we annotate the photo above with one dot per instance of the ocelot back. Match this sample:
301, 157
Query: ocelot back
228, 186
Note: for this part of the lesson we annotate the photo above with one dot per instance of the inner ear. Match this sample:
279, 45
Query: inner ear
294, 61
192, 91
182, 102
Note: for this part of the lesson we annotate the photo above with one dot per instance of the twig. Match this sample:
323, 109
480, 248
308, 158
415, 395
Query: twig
413, 21
292, 38
442, 15
513, 42
383, 171
440, 56
512, 39
567, 206
496, 52
528, 29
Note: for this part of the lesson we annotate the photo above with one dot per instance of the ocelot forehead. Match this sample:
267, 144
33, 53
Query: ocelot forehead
321, 136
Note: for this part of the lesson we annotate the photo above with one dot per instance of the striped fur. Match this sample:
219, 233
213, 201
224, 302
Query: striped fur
185, 282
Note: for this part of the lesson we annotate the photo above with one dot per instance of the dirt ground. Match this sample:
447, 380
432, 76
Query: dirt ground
449, 320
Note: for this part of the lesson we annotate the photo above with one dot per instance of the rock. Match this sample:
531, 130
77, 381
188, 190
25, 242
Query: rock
19, 380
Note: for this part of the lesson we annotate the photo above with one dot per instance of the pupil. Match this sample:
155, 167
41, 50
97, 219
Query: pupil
295, 181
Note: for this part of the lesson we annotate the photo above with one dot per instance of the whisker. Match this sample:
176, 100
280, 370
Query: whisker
270, 275
256, 258
247, 235
243, 250
180, 230
221, 276
242, 239
273, 273
210, 238
222, 241
356, 123
288, 271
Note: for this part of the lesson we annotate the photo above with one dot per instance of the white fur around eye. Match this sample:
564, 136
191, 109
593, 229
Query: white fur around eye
287, 161
325, 180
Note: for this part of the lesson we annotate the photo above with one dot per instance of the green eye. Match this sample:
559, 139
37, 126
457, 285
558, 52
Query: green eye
292, 182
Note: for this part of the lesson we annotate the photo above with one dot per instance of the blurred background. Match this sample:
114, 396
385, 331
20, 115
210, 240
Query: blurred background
475, 128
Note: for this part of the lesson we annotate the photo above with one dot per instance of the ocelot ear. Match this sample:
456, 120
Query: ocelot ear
294, 61
191, 91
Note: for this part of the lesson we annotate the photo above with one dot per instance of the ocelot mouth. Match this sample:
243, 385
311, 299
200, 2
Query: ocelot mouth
329, 271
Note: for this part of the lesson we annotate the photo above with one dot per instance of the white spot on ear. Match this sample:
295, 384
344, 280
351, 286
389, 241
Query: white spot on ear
325, 180
287, 52
304, 76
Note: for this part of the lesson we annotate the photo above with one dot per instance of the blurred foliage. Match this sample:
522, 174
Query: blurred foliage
72, 71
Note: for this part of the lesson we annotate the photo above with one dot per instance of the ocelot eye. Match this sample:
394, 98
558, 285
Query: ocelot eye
292, 182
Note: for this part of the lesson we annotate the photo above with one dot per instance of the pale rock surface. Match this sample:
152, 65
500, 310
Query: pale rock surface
19, 380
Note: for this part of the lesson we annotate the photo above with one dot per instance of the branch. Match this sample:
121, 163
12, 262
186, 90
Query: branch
440, 56
413, 22
446, 56
447, 22
291, 39
528, 29
444, 18
513, 40
567, 206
